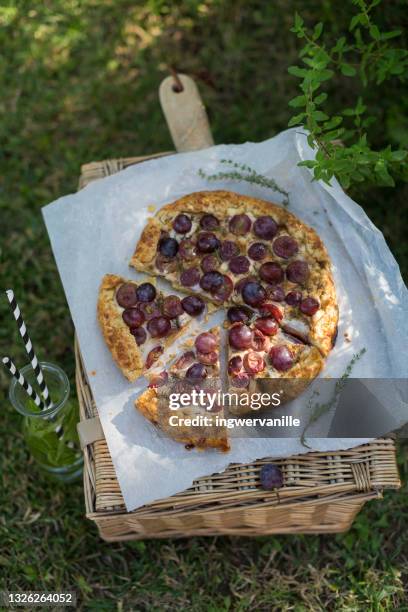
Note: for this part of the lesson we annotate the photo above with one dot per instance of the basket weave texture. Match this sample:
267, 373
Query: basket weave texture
322, 492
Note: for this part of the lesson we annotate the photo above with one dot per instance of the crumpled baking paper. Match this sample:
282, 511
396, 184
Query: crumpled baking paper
94, 232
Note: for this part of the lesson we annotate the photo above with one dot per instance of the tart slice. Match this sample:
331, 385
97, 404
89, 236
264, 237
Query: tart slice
302, 301
139, 322
196, 369
262, 357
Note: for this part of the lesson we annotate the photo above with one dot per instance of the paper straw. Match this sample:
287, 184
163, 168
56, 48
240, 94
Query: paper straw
29, 348
15, 373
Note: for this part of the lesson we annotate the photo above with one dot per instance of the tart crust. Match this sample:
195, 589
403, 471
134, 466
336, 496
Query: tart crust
120, 342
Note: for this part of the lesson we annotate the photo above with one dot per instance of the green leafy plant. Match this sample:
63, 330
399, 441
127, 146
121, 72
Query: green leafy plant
242, 172
340, 140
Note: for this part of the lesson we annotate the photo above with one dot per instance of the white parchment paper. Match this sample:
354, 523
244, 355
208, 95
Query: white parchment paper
94, 232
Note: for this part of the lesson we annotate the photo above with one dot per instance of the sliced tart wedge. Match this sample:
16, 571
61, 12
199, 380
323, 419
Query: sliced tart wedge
262, 357
196, 369
139, 322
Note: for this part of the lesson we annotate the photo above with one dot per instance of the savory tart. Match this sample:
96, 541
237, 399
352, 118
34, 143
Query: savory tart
196, 368
138, 322
268, 270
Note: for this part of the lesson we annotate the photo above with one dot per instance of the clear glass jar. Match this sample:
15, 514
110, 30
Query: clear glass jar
59, 455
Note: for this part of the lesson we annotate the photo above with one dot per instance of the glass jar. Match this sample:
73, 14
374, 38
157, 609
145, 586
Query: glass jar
57, 451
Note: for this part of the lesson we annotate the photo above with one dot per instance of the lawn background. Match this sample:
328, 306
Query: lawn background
78, 82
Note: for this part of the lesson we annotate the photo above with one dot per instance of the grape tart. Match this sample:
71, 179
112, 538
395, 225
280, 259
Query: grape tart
139, 322
233, 249
197, 365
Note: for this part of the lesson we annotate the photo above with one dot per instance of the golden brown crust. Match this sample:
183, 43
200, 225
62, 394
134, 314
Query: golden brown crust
222, 203
323, 328
147, 405
308, 365
146, 247
120, 342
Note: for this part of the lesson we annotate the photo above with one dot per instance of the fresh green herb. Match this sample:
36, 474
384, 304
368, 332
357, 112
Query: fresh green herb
45, 445
318, 409
242, 172
367, 55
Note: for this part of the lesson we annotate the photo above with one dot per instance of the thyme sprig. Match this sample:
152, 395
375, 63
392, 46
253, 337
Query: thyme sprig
319, 409
242, 172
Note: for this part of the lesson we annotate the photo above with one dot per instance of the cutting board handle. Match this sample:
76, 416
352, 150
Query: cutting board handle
185, 113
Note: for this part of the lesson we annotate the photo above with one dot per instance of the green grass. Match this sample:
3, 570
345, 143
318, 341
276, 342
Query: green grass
79, 82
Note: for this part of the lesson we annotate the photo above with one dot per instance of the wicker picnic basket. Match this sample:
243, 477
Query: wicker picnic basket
322, 492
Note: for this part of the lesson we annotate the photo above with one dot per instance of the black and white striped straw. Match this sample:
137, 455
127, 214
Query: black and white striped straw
15, 373
29, 348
